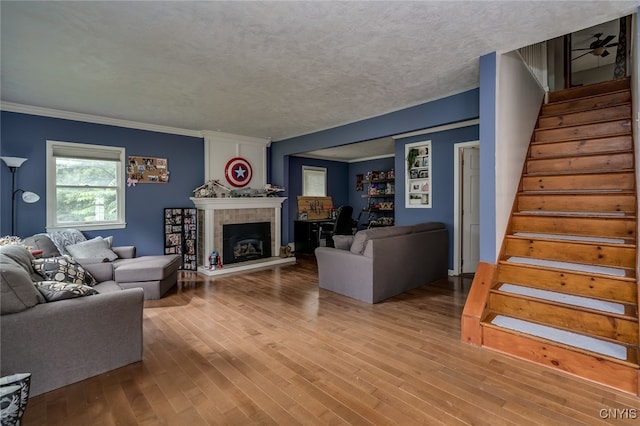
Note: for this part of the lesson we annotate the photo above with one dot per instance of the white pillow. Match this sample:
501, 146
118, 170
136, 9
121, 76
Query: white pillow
96, 248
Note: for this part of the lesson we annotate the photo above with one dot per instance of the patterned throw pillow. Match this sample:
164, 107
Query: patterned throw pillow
63, 269
54, 290
65, 237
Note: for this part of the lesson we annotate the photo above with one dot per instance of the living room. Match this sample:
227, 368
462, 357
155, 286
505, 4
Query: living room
247, 385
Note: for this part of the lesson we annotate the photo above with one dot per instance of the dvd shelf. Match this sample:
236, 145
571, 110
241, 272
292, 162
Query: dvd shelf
180, 235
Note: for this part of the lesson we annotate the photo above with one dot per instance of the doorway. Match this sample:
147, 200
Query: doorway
466, 238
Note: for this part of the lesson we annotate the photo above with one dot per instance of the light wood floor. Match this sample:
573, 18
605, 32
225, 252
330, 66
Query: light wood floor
269, 348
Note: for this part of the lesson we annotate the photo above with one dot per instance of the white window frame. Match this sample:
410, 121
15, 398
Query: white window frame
90, 152
304, 180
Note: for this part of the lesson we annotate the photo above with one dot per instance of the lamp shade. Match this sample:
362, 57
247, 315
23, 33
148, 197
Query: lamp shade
13, 161
30, 197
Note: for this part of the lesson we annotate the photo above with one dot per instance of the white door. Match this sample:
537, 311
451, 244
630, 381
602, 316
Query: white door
470, 209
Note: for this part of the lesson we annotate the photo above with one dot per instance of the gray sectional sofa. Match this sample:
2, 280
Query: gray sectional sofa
154, 274
67, 337
62, 333
379, 263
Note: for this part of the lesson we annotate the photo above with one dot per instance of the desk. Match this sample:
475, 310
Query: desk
308, 233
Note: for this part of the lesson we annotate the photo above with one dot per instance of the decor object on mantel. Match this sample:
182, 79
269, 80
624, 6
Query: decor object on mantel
209, 190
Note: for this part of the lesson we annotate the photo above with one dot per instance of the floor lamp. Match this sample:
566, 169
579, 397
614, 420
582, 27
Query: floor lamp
28, 197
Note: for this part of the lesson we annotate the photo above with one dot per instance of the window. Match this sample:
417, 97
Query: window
85, 186
314, 181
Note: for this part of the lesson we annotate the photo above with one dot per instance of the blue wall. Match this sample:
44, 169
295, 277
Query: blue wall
452, 109
488, 67
356, 199
25, 135
442, 179
337, 176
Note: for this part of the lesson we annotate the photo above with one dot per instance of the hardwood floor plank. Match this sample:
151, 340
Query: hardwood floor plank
269, 347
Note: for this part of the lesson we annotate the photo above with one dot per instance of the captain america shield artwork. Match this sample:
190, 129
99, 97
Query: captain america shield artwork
238, 172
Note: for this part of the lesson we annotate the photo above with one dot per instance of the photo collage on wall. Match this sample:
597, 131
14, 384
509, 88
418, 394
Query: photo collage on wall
180, 231
148, 169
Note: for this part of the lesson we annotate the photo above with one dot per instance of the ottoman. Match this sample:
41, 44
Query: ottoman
154, 274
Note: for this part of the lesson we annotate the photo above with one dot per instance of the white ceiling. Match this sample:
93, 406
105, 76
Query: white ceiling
264, 69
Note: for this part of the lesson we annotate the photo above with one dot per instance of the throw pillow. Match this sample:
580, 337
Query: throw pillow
342, 242
96, 248
18, 293
65, 237
63, 269
44, 243
21, 257
54, 290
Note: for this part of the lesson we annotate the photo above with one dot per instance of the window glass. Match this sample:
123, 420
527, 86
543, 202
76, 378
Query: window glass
314, 181
86, 189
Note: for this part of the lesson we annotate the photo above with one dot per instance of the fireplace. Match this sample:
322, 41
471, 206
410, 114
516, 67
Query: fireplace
246, 241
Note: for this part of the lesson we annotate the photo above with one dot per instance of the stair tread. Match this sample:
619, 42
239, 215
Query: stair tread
544, 237
583, 109
577, 172
588, 303
594, 89
578, 214
607, 271
587, 274
563, 119
579, 138
574, 238
566, 126
609, 192
597, 95
579, 154
591, 345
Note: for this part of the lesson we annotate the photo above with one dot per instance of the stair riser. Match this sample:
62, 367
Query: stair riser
601, 101
572, 119
582, 147
570, 283
605, 162
594, 227
588, 323
590, 90
591, 367
599, 255
577, 203
596, 181
596, 130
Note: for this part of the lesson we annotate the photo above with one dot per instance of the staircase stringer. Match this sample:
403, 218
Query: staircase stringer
475, 307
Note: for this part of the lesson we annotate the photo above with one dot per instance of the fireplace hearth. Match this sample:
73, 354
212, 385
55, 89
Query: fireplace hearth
246, 241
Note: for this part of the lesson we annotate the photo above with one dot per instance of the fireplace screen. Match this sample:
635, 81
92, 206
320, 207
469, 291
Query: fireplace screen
246, 241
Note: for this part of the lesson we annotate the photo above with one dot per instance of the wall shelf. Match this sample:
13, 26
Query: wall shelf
418, 188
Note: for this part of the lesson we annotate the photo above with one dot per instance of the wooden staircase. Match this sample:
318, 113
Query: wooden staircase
564, 292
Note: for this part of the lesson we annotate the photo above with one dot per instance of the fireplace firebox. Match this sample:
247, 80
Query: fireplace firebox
246, 241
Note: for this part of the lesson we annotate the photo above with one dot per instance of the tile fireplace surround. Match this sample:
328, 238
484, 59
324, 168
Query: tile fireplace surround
213, 213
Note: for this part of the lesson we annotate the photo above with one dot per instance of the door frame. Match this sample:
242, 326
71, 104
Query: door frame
457, 203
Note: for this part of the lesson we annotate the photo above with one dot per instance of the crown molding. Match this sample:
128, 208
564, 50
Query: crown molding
221, 137
88, 118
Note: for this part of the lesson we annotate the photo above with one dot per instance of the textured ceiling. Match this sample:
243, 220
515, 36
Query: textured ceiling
264, 69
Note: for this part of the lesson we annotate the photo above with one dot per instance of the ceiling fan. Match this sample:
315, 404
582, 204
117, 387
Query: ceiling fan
598, 47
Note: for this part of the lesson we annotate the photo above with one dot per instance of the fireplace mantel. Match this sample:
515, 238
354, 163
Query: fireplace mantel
215, 212
238, 203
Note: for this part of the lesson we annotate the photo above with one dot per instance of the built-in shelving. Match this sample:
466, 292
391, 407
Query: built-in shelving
418, 180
